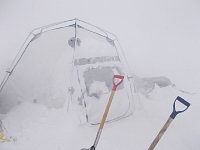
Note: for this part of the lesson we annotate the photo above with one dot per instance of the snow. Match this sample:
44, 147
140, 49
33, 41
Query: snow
35, 126
160, 38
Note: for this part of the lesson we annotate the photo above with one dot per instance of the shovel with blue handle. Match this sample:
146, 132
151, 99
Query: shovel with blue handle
170, 119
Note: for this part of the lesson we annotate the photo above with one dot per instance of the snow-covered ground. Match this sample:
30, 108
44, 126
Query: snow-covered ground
37, 127
160, 38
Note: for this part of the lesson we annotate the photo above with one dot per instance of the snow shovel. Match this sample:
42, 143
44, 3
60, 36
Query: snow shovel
170, 119
117, 80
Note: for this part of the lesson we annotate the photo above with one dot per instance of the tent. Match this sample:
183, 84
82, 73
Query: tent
69, 64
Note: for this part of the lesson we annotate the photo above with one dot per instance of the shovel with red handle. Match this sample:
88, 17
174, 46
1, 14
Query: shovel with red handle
170, 119
117, 80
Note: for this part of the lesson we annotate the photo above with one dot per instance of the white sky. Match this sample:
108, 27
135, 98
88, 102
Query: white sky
159, 37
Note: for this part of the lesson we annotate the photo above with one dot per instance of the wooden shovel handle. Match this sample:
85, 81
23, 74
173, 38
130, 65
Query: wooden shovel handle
115, 85
160, 134
106, 110
172, 116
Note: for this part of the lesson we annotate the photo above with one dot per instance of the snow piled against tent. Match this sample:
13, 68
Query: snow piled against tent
36, 127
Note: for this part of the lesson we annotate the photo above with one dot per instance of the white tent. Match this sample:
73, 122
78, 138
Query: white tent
70, 64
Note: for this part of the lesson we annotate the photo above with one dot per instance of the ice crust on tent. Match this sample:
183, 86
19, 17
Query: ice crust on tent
70, 61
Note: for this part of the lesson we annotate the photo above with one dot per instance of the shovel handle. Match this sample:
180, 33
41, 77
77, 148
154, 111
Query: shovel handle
160, 134
115, 85
170, 119
175, 112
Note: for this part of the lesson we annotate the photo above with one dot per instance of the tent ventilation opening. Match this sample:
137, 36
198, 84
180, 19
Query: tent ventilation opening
72, 42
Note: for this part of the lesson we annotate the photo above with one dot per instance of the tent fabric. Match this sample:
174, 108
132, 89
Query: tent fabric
68, 62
